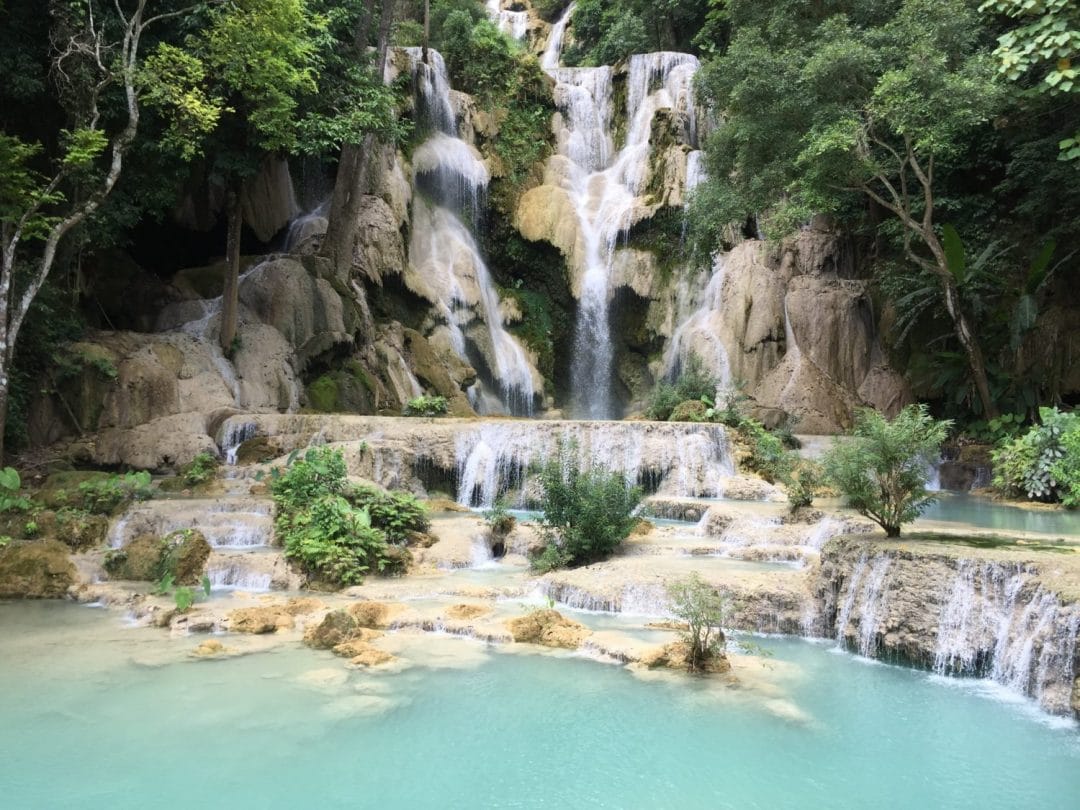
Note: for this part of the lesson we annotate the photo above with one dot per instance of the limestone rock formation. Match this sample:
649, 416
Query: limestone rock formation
261, 620
548, 628
35, 570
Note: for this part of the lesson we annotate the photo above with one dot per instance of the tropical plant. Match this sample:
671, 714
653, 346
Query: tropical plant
320, 471
881, 468
1066, 470
399, 515
701, 606
692, 382
10, 484
201, 469
802, 480
104, 496
1038, 464
588, 511
499, 520
427, 406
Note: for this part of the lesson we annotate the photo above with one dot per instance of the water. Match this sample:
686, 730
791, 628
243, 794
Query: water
553, 52
607, 190
445, 256
87, 725
985, 514
514, 23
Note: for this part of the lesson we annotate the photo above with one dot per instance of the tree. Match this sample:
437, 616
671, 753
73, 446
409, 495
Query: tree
853, 100
232, 91
701, 606
588, 511
882, 468
1046, 41
97, 58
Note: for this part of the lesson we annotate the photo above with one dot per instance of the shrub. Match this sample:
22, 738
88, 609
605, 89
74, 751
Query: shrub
701, 606
10, 484
427, 406
694, 382
104, 496
499, 521
587, 512
201, 469
882, 469
336, 542
322, 529
397, 514
768, 456
1039, 464
803, 480
692, 411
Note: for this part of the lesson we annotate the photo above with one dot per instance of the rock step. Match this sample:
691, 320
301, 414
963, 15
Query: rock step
254, 569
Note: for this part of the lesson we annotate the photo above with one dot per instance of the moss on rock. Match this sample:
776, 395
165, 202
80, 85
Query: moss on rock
35, 570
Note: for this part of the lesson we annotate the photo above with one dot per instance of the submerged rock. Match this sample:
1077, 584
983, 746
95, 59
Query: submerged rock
548, 628
467, 611
41, 570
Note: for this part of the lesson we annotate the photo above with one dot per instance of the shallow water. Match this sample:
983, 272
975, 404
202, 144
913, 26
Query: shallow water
981, 513
94, 715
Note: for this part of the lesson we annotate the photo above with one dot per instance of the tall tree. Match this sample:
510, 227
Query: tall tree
97, 60
852, 100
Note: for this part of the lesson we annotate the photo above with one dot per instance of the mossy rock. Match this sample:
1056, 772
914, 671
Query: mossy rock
338, 627
62, 488
256, 451
35, 570
79, 529
188, 551
346, 390
690, 411
139, 559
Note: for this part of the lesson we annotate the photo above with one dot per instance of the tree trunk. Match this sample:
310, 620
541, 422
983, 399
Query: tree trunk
230, 293
427, 29
5, 368
971, 348
349, 186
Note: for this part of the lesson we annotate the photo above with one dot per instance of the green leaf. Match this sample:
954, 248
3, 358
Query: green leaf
954, 253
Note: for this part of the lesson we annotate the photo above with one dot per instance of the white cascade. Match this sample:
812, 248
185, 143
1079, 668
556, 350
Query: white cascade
1000, 624
514, 23
234, 432
682, 460
232, 574
605, 190
446, 257
553, 51
864, 604
697, 331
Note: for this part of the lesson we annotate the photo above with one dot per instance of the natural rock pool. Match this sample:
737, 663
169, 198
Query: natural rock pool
98, 714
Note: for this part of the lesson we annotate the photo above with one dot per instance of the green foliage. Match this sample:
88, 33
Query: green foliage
335, 542
587, 512
803, 479
427, 406
10, 484
398, 515
1041, 464
31, 529
106, 496
881, 469
407, 34
702, 607
607, 31
694, 382
499, 520
202, 468
321, 528
185, 598
768, 456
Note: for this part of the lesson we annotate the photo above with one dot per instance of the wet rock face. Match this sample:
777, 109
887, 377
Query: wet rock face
39, 570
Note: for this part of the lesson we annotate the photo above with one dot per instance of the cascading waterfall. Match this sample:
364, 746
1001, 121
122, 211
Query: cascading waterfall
696, 333
444, 250
553, 51
606, 190
998, 623
233, 433
682, 460
514, 23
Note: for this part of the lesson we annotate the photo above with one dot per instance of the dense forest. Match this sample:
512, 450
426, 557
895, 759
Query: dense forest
941, 137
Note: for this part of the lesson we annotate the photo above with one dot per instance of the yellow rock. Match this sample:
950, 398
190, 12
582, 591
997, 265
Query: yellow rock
549, 628
467, 611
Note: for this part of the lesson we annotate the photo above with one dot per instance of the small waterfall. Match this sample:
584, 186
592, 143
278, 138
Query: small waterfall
307, 226
844, 616
998, 623
233, 433
697, 332
823, 531
514, 23
606, 191
873, 606
227, 523
232, 574
553, 52
685, 460
444, 252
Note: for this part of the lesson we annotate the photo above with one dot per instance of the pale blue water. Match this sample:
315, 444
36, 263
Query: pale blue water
976, 511
84, 725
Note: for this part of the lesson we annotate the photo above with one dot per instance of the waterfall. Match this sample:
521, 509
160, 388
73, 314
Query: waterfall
605, 190
998, 623
233, 433
232, 574
553, 52
697, 332
444, 253
685, 460
844, 616
514, 23
307, 226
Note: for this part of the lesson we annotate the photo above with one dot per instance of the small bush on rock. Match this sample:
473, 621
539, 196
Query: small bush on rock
105, 496
427, 406
398, 514
201, 469
587, 512
693, 383
336, 542
701, 606
882, 469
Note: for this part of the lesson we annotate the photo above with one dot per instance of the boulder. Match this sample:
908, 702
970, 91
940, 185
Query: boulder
548, 628
368, 656
209, 648
261, 620
466, 612
337, 627
357, 645
35, 570
140, 559
370, 614
80, 530
674, 656
189, 550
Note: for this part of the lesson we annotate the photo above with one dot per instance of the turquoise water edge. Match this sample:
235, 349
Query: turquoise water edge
96, 714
